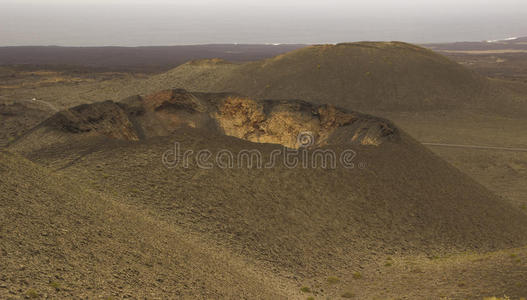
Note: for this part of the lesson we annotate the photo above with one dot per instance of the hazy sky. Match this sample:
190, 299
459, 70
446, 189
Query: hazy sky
163, 22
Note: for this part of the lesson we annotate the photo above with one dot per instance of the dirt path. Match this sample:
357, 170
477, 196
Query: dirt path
476, 147
45, 103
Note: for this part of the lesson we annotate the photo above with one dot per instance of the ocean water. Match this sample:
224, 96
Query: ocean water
100, 25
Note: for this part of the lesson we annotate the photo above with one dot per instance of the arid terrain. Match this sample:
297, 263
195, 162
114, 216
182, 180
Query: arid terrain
432, 203
504, 59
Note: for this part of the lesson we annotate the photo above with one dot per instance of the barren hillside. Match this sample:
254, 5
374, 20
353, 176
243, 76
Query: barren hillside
365, 76
61, 239
110, 191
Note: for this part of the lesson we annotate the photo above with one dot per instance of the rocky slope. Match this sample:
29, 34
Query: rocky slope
61, 239
262, 121
17, 118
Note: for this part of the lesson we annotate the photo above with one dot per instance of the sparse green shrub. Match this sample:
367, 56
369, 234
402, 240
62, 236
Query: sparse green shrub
333, 280
388, 264
347, 295
310, 298
357, 275
55, 285
305, 289
32, 294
